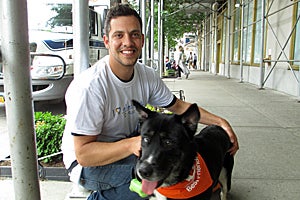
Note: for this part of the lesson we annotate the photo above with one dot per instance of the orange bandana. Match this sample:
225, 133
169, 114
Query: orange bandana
198, 181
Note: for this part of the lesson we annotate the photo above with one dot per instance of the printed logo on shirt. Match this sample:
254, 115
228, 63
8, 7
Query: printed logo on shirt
125, 111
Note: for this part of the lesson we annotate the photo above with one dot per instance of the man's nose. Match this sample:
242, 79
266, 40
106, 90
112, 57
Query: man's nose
127, 40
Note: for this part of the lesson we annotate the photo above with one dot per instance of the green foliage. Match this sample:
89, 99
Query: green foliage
49, 130
63, 17
177, 21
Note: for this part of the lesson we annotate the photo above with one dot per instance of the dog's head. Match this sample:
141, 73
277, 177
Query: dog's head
167, 141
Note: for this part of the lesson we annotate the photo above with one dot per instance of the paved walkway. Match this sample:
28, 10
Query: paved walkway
268, 127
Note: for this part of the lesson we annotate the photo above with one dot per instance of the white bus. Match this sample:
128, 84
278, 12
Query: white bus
50, 32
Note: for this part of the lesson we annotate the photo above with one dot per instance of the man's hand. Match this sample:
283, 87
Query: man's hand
232, 137
135, 145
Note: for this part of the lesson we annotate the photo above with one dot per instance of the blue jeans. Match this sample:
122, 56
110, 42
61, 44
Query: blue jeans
111, 182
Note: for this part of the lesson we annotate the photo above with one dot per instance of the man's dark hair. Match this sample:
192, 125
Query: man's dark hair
118, 11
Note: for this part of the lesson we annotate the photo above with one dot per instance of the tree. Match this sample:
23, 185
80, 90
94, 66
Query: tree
176, 21
63, 17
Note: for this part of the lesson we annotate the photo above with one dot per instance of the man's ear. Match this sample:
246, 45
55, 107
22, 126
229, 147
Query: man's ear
143, 40
106, 41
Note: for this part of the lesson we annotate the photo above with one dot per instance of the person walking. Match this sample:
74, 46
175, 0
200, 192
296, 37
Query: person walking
190, 60
195, 61
182, 63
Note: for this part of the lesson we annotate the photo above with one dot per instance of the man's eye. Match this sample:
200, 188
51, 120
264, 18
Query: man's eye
118, 35
136, 35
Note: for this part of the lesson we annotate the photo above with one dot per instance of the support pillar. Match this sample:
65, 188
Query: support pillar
18, 99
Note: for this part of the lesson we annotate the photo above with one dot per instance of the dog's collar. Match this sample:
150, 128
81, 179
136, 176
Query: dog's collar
198, 181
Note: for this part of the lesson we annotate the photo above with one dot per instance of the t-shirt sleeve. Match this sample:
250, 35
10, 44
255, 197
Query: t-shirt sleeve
160, 94
83, 111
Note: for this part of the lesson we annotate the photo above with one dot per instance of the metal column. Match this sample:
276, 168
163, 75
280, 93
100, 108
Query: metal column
211, 41
161, 55
160, 37
262, 67
242, 42
19, 105
81, 36
228, 37
152, 33
143, 16
215, 32
204, 46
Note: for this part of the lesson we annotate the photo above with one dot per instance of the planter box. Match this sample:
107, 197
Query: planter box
48, 173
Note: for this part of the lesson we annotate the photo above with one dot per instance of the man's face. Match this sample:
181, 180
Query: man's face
125, 41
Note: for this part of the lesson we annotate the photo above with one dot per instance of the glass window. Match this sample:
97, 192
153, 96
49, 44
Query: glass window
247, 39
257, 33
224, 28
93, 22
297, 39
236, 35
50, 17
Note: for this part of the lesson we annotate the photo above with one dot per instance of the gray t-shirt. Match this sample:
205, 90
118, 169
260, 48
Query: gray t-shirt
98, 103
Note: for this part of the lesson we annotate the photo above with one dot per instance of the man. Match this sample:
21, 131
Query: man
195, 61
101, 117
182, 63
190, 60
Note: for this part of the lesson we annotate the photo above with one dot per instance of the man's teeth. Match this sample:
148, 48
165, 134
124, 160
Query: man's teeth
127, 52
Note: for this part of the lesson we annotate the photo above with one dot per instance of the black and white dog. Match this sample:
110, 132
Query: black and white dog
179, 163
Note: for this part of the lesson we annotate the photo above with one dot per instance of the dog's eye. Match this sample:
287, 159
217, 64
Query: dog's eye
146, 140
168, 142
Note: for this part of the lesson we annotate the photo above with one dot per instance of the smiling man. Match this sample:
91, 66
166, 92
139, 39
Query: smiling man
125, 42
99, 139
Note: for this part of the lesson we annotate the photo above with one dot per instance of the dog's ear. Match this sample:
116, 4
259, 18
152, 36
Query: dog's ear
190, 118
142, 111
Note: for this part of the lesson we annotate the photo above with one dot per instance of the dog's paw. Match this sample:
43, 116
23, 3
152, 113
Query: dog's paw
158, 196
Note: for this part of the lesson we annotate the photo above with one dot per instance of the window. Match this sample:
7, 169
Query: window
49, 17
93, 23
257, 32
224, 38
247, 37
236, 35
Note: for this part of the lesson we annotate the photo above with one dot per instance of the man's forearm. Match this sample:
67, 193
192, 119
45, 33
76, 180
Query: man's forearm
102, 153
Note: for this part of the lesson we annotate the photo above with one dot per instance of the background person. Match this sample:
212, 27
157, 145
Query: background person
168, 63
190, 60
182, 63
195, 61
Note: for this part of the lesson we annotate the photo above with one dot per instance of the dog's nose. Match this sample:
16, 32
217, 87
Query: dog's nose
145, 171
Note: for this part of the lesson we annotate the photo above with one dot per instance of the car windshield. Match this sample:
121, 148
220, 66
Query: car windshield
50, 15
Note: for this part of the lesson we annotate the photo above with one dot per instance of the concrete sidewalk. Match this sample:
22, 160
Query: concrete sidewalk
266, 122
50, 190
268, 127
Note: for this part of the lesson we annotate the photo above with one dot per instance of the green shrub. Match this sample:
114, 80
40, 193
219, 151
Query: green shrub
49, 130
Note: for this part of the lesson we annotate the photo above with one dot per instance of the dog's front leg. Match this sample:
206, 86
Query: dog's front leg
159, 196
223, 181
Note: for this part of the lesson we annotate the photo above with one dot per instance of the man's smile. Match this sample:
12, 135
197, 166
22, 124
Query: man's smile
128, 52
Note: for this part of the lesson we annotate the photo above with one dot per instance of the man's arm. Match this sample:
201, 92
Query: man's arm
208, 118
90, 153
